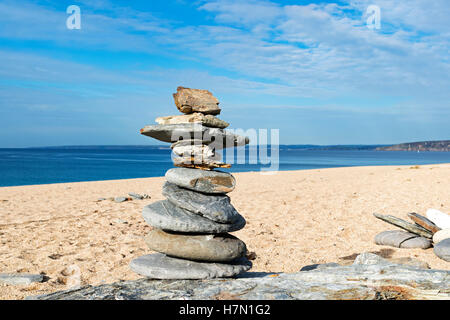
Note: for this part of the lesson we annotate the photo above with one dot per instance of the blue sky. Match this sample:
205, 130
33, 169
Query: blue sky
311, 69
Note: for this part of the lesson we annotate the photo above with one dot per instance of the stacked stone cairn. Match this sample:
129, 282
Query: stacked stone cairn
191, 227
425, 232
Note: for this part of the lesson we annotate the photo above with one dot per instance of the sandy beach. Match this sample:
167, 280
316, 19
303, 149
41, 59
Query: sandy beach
294, 219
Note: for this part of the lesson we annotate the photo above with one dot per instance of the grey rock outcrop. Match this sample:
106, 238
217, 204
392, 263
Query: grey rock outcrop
369, 278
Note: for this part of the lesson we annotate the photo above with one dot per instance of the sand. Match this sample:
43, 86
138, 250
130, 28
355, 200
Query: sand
294, 219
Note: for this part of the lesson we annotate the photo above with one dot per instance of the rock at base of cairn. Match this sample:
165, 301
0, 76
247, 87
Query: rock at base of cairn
160, 266
198, 247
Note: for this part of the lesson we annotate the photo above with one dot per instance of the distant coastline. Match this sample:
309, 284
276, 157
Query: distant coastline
441, 146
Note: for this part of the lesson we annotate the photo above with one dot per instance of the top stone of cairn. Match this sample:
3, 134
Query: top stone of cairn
196, 100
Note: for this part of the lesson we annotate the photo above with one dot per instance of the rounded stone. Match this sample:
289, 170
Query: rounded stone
212, 248
442, 249
215, 207
440, 219
402, 239
201, 180
167, 216
441, 235
160, 266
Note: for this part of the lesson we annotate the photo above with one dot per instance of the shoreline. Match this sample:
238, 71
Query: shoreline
294, 218
232, 172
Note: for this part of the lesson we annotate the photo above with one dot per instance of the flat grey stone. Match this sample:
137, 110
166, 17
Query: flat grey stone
165, 215
136, 195
120, 199
215, 207
442, 249
160, 266
417, 242
207, 120
405, 225
219, 138
200, 247
20, 278
402, 239
201, 180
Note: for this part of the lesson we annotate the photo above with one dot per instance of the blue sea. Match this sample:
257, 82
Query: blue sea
30, 166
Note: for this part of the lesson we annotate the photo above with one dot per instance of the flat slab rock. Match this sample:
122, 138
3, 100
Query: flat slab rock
442, 249
402, 239
20, 278
219, 138
196, 117
424, 222
160, 266
368, 278
204, 163
214, 207
405, 225
201, 180
199, 247
166, 216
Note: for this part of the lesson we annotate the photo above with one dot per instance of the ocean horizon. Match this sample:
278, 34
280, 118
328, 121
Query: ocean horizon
63, 164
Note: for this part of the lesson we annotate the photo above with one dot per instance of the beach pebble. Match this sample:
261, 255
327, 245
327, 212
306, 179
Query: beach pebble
442, 249
402, 239
20, 278
165, 215
120, 199
201, 180
160, 266
136, 196
213, 248
215, 207
441, 219
441, 235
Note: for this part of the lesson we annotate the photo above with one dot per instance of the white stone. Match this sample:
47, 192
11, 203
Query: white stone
442, 220
441, 235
